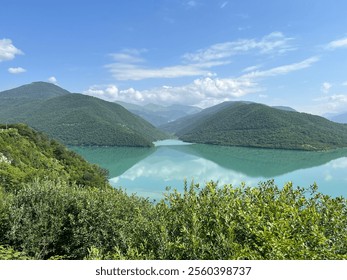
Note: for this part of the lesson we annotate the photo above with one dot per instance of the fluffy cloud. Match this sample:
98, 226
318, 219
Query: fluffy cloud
341, 43
203, 92
326, 87
7, 50
52, 80
327, 104
16, 70
108, 92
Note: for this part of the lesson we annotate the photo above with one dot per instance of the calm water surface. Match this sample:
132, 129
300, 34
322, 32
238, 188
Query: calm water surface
147, 171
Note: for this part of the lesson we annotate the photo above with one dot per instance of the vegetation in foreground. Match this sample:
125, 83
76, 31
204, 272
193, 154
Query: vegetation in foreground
70, 212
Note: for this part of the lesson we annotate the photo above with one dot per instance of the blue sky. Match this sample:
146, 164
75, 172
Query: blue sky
196, 52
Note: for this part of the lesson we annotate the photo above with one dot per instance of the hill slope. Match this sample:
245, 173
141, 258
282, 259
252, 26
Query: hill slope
257, 125
75, 119
187, 123
26, 155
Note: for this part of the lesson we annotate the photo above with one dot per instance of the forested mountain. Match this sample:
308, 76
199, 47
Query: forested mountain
257, 125
159, 115
75, 119
35, 90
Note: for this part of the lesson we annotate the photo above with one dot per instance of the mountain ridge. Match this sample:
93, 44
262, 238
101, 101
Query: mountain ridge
159, 114
76, 119
258, 125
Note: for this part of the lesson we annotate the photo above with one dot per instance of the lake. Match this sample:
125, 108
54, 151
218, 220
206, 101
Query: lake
148, 171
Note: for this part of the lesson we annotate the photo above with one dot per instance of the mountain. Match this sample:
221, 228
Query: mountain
35, 90
159, 115
284, 108
75, 119
342, 118
189, 122
257, 125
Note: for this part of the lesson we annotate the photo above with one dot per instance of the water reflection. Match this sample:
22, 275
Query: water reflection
267, 163
147, 171
116, 160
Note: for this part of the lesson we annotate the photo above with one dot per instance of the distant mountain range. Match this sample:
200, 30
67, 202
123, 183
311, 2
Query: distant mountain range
159, 115
75, 119
257, 125
341, 118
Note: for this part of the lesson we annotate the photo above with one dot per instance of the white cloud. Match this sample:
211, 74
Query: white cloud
129, 65
284, 69
203, 92
274, 42
341, 43
52, 80
326, 87
332, 104
7, 50
16, 70
251, 68
123, 71
106, 92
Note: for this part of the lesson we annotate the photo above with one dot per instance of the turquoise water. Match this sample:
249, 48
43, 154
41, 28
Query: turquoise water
148, 171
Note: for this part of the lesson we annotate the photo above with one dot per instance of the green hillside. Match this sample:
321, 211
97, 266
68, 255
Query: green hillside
257, 125
54, 205
75, 119
26, 154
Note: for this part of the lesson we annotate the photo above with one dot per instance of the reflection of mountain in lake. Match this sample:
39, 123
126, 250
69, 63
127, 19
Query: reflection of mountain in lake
116, 160
266, 163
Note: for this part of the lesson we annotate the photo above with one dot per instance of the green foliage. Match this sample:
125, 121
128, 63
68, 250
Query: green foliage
54, 220
28, 154
49, 219
257, 125
8, 253
253, 223
76, 119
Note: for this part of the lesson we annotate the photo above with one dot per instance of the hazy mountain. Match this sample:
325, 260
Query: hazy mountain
257, 125
75, 119
341, 118
159, 115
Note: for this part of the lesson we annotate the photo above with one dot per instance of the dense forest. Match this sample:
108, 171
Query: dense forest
75, 119
55, 205
257, 125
